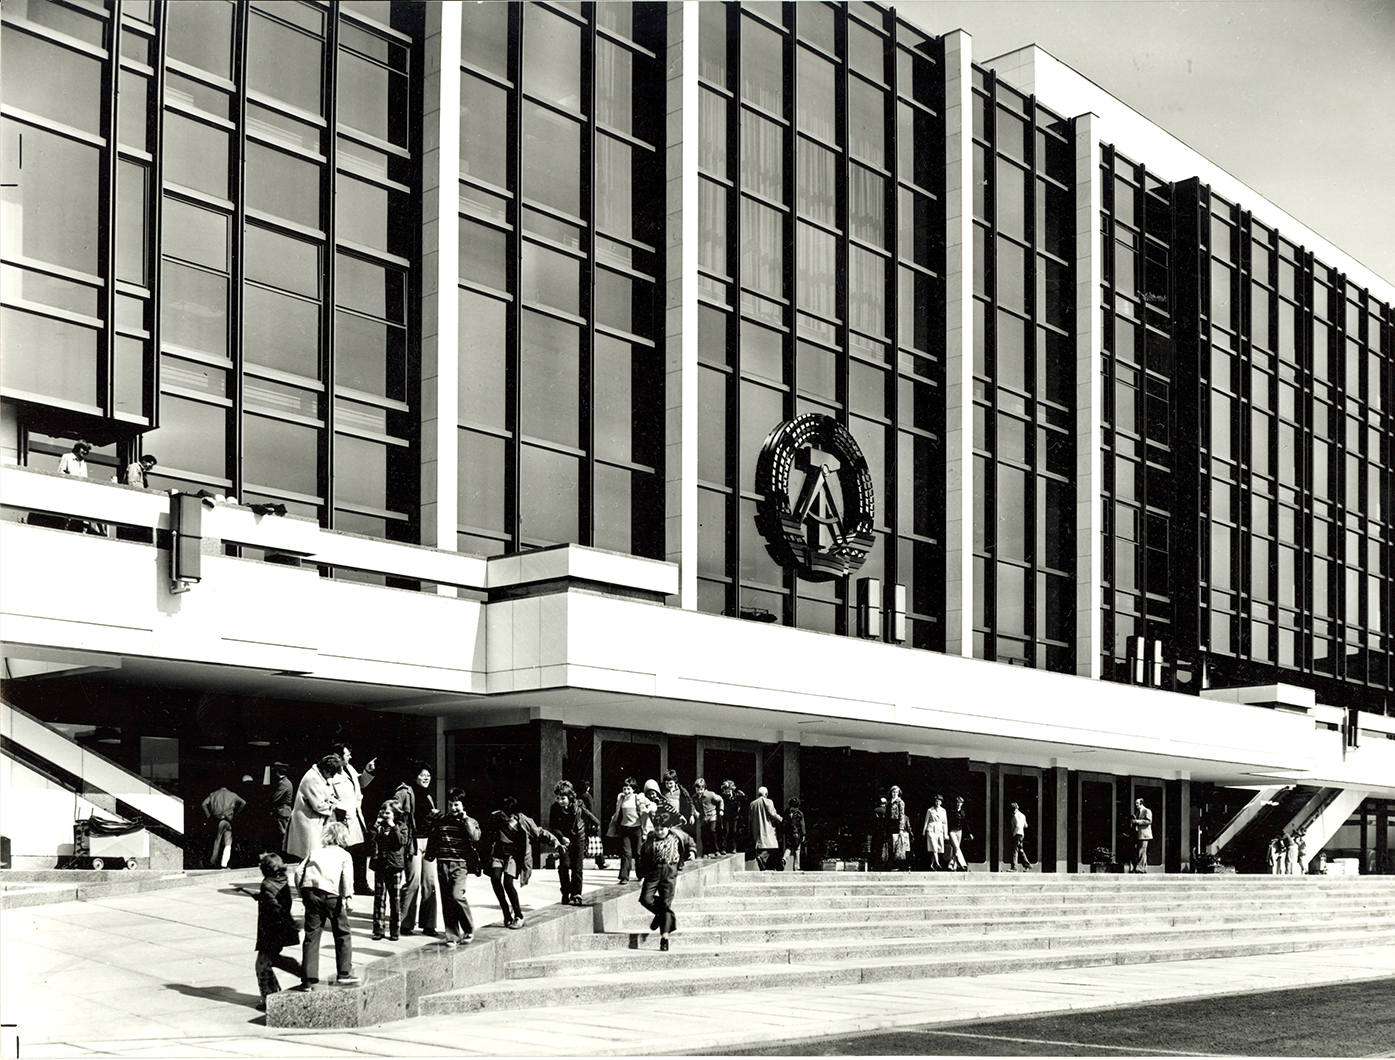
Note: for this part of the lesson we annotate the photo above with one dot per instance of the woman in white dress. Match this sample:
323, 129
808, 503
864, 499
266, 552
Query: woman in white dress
936, 831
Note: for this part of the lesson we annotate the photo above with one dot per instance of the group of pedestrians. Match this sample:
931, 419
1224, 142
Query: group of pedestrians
1288, 853
942, 830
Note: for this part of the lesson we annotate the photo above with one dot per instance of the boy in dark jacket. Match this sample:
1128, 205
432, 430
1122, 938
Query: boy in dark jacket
794, 830
452, 845
660, 858
390, 840
275, 927
570, 822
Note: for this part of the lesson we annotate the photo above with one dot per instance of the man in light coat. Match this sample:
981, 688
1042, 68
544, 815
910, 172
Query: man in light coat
764, 837
1142, 832
315, 803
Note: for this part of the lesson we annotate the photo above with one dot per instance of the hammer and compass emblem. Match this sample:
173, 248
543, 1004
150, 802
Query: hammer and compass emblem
823, 531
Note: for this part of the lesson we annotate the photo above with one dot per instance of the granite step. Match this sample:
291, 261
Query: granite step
542, 992
693, 953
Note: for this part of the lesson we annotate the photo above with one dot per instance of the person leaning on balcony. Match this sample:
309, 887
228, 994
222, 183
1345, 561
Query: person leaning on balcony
315, 803
138, 470
75, 463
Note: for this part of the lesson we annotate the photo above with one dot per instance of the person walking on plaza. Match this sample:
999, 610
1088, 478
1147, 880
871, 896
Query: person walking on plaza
1142, 832
1300, 851
660, 860
1275, 855
936, 831
390, 839
764, 838
418, 808
733, 798
1019, 840
275, 928
711, 808
315, 803
570, 822
509, 842
1291, 855
794, 833
326, 882
282, 801
956, 819
898, 829
625, 826
452, 846
220, 807
348, 788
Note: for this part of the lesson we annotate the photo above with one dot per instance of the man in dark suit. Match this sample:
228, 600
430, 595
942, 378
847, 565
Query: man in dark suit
1142, 832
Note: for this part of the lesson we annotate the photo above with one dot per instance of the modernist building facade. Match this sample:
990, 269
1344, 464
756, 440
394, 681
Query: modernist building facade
773, 392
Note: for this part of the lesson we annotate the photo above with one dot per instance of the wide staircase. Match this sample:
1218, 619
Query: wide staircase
782, 930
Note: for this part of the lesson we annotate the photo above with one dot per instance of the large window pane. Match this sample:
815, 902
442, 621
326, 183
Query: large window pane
480, 481
614, 88
482, 251
484, 38
866, 122
360, 472
280, 261
281, 332
368, 214
549, 379
369, 288
762, 66
817, 112
284, 63
866, 291
712, 426
549, 496
549, 278
483, 359
199, 33
33, 66
279, 456
48, 205
132, 208
551, 159
818, 183
52, 358
551, 58
817, 270
371, 99
762, 248
194, 309
762, 156
484, 140
194, 234
369, 356
614, 187
192, 437
283, 185
196, 155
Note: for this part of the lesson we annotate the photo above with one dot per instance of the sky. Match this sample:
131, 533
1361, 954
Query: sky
1294, 97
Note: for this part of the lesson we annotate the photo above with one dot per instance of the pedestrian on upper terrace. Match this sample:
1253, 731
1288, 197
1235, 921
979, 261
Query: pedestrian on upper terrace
660, 860
957, 819
765, 839
733, 826
1300, 849
220, 807
348, 787
315, 803
1275, 855
282, 800
680, 802
711, 808
326, 882
1142, 832
625, 825
275, 927
1291, 855
936, 831
391, 839
570, 822
898, 830
1019, 840
510, 840
452, 845
418, 808
793, 832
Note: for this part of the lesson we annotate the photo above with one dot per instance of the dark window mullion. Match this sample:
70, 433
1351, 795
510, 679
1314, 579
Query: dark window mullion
513, 455
237, 241
106, 386
155, 125
732, 314
586, 491
328, 331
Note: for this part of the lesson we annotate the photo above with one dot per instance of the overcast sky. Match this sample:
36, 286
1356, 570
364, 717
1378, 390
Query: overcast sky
1294, 97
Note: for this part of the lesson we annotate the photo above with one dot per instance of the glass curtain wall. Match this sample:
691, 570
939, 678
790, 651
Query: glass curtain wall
1024, 379
821, 261
1142, 569
561, 248
75, 214
210, 235
1296, 463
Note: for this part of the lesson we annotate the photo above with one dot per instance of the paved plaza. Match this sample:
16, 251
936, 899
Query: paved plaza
169, 974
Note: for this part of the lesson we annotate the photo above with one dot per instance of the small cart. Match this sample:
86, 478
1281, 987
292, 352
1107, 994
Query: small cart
100, 844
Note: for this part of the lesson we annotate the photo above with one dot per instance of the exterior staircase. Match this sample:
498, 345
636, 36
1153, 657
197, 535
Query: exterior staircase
782, 930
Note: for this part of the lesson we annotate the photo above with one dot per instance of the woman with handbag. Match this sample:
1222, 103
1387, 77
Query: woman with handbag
898, 828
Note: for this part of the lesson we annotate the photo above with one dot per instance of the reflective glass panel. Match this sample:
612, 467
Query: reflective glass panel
48, 204
371, 99
549, 379
277, 455
484, 37
194, 309
614, 76
281, 332
199, 32
483, 360
817, 110
360, 472
614, 187
866, 122
192, 437
47, 357
369, 356
762, 66
284, 63
196, 155
285, 186
549, 495
484, 139
551, 159
33, 66
480, 481
551, 58
280, 261
550, 278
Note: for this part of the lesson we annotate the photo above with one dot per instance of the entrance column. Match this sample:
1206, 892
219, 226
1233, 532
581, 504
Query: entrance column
551, 747
1055, 842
